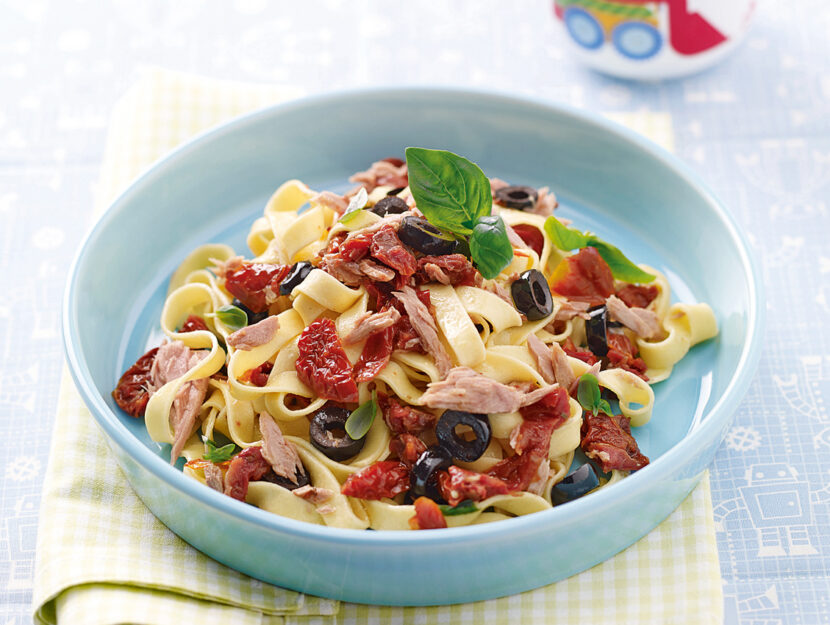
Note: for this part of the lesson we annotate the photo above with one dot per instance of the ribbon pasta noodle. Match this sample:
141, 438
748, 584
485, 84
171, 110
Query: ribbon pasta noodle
467, 403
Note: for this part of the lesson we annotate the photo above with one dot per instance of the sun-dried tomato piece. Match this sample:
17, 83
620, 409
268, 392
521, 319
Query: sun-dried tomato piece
355, 248
517, 471
384, 478
584, 277
388, 249
393, 160
258, 376
456, 267
531, 440
407, 447
428, 515
584, 355
637, 296
623, 355
375, 355
608, 441
131, 393
531, 235
247, 466
457, 484
193, 323
323, 365
539, 421
250, 284
402, 418
555, 406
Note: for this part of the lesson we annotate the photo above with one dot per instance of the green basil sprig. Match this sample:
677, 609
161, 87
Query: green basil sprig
465, 507
568, 239
219, 454
489, 245
454, 194
359, 422
358, 202
231, 316
589, 396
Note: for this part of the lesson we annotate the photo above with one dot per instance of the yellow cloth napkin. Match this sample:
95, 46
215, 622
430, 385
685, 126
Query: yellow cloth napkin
104, 559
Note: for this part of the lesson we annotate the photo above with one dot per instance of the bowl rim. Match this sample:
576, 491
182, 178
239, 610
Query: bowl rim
711, 423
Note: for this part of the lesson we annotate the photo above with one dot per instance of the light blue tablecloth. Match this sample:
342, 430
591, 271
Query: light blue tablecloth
757, 128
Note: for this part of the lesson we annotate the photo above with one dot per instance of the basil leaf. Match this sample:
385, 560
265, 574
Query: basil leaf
588, 394
605, 407
489, 246
568, 239
359, 422
449, 190
564, 238
219, 454
621, 268
231, 316
465, 507
358, 201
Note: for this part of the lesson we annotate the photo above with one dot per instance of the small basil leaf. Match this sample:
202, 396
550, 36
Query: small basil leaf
347, 217
231, 316
219, 454
449, 190
564, 238
358, 201
621, 268
465, 507
489, 246
359, 422
605, 407
588, 394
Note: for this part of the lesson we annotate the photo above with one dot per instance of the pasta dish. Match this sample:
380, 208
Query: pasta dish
432, 349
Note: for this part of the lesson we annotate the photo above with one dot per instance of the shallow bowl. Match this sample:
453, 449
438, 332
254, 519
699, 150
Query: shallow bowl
607, 179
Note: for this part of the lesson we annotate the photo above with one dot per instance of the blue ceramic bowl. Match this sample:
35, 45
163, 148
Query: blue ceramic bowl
607, 179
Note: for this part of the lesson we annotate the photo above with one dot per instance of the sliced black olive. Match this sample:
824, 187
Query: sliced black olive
423, 237
520, 198
531, 295
596, 326
390, 205
423, 480
574, 485
327, 433
298, 272
457, 446
279, 480
395, 191
252, 316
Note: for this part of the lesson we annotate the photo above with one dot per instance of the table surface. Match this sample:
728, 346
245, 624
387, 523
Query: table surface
756, 127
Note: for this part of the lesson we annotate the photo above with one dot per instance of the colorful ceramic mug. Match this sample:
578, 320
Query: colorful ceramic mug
654, 39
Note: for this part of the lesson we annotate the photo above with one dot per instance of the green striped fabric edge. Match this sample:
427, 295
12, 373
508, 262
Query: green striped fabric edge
624, 10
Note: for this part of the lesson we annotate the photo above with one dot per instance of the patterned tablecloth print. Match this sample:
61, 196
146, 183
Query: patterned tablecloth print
757, 128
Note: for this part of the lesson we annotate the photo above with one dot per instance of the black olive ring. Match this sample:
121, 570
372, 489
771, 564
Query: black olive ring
422, 477
298, 272
423, 237
390, 205
596, 327
328, 419
575, 484
517, 197
460, 448
531, 295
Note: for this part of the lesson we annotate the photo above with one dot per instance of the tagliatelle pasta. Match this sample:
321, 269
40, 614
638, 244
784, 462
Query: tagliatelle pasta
360, 371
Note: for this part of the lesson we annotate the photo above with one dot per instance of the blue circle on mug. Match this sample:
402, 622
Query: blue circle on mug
584, 28
637, 40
